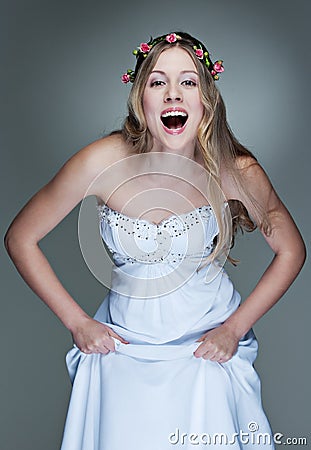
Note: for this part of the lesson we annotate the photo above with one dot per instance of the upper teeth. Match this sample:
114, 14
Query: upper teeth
174, 113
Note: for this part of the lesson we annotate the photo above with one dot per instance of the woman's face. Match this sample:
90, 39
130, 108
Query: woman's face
171, 101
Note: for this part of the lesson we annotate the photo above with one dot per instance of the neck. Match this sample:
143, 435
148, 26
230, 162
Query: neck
189, 152
169, 168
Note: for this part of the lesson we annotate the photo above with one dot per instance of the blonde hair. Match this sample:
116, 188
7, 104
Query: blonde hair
215, 141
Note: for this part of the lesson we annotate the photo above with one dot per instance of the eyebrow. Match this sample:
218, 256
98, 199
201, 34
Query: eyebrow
182, 72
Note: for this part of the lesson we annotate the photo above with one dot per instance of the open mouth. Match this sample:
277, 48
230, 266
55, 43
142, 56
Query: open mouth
174, 119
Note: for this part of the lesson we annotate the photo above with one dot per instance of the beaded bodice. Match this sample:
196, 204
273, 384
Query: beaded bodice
135, 240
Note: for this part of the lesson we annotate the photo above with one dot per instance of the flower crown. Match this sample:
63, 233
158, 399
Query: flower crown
200, 51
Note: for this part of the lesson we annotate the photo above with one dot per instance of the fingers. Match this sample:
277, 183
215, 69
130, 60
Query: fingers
115, 335
218, 344
102, 350
95, 348
109, 342
213, 352
99, 342
105, 344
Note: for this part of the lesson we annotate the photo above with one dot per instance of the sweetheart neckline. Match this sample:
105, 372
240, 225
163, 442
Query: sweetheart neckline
159, 224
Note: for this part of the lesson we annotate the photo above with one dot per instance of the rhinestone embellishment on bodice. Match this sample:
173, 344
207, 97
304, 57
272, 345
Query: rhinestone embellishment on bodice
159, 238
175, 224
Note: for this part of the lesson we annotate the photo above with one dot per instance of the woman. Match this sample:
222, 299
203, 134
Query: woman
167, 359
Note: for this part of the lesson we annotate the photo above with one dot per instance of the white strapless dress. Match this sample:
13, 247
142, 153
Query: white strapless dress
153, 393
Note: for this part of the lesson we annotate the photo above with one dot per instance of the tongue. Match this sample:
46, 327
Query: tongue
173, 122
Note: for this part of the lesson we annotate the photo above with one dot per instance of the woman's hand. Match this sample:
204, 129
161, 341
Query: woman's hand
219, 344
91, 336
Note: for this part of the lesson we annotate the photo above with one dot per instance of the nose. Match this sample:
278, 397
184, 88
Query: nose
172, 94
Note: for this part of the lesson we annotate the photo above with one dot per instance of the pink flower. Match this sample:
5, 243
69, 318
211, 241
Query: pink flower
125, 78
199, 53
213, 72
218, 66
144, 48
171, 38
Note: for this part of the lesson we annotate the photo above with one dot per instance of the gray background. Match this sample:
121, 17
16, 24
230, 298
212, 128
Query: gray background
61, 63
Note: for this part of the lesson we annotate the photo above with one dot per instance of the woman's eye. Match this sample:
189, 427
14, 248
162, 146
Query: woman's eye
157, 83
189, 83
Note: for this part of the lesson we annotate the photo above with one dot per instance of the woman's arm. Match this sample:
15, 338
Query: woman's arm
38, 217
289, 256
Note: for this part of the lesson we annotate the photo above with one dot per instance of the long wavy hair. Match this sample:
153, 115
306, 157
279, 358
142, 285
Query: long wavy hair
215, 140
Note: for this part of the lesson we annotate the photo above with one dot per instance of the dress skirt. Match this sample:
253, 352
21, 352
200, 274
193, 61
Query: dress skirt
153, 393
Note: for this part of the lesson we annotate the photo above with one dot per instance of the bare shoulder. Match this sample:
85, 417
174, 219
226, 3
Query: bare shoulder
94, 159
252, 176
101, 153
